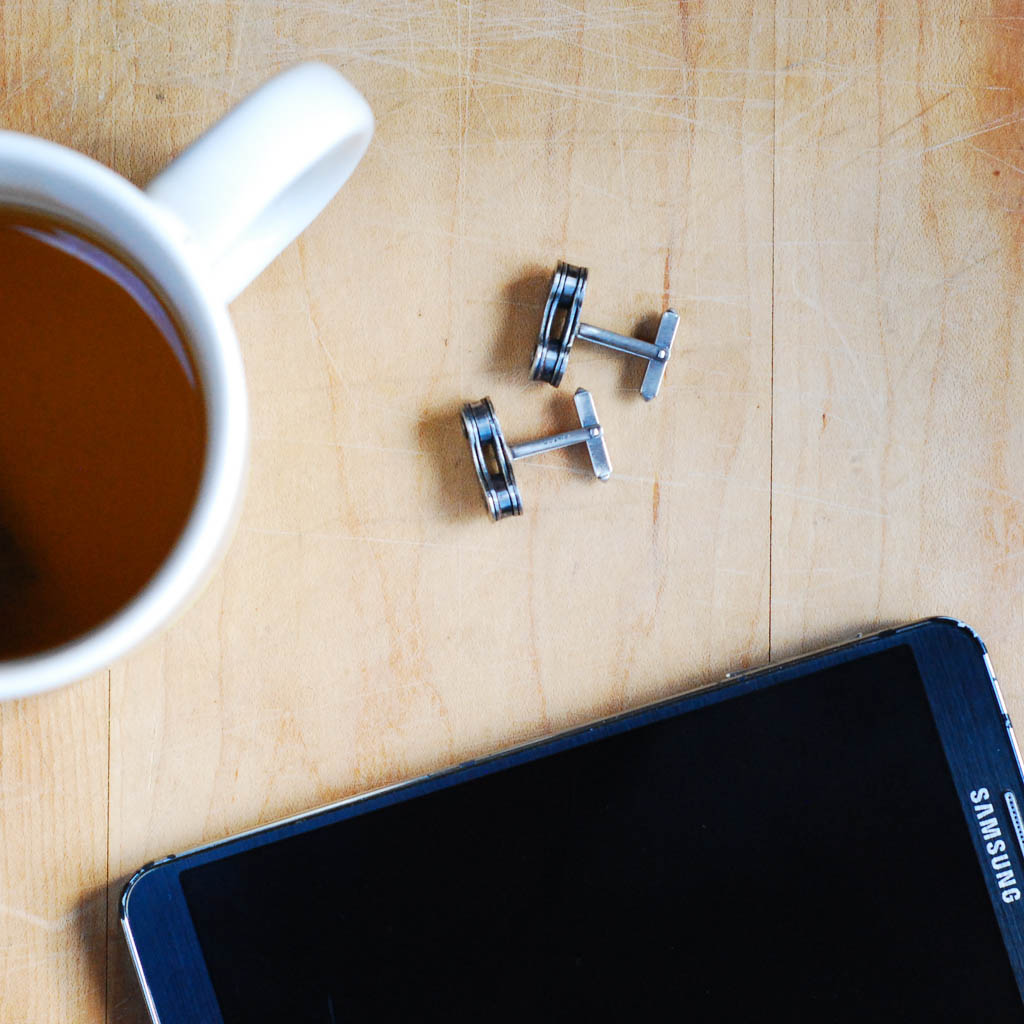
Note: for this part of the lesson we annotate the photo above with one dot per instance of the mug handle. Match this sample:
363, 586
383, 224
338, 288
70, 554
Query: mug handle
247, 186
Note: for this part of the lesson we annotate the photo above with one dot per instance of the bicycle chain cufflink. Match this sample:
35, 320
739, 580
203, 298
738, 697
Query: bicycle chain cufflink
561, 326
493, 456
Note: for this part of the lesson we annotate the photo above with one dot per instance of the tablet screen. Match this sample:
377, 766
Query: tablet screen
798, 851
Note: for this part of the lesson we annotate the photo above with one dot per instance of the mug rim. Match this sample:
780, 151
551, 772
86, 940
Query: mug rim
44, 175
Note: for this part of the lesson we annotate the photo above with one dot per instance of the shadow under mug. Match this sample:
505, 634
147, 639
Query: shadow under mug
202, 230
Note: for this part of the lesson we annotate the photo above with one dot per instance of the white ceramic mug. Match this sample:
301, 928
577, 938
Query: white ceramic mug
201, 230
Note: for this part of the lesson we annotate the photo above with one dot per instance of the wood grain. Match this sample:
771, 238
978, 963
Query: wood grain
837, 443
898, 358
53, 855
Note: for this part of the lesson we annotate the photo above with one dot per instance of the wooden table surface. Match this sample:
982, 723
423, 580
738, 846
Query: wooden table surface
832, 197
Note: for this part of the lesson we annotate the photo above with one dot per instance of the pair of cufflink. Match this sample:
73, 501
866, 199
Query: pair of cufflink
560, 327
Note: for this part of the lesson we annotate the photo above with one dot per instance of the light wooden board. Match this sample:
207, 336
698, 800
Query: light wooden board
837, 444
897, 403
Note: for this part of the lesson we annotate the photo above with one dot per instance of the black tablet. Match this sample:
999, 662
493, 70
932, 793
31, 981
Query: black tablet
837, 838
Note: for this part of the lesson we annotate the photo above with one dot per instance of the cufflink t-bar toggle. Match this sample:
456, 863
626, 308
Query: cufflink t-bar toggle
493, 455
561, 326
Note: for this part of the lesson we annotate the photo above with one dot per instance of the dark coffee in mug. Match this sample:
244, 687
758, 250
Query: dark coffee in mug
102, 432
